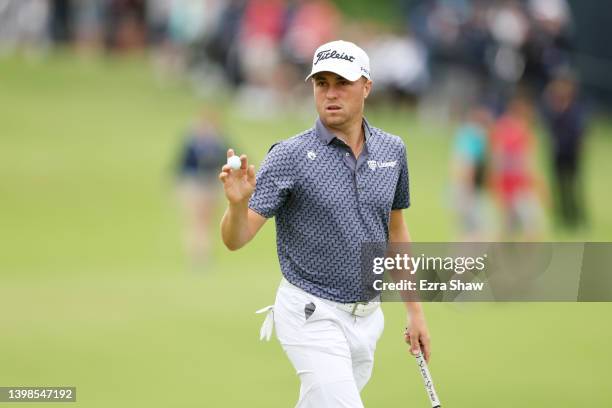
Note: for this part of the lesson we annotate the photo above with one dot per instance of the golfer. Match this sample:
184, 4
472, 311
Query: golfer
331, 188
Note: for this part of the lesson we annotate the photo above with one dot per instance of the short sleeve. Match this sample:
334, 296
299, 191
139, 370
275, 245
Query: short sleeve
401, 198
274, 181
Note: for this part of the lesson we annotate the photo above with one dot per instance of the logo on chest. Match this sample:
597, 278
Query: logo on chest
373, 164
311, 155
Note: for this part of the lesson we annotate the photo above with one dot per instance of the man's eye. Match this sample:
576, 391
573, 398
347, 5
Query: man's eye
320, 83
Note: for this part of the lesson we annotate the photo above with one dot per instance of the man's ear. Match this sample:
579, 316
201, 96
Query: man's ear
367, 87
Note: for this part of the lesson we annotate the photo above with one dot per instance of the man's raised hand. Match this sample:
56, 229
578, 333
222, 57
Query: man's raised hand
238, 184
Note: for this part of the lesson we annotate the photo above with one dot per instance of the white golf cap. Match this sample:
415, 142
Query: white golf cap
343, 58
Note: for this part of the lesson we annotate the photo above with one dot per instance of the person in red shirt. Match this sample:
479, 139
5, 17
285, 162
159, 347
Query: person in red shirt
514, 178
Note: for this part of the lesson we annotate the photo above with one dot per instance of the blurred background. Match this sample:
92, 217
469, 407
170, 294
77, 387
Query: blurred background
114, 119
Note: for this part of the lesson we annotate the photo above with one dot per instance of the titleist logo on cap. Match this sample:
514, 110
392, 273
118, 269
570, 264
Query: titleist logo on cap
327, 54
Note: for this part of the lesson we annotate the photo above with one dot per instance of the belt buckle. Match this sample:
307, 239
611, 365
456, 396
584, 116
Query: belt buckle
355, 306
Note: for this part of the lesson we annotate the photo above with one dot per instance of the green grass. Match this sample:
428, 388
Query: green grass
387, 12
95, 291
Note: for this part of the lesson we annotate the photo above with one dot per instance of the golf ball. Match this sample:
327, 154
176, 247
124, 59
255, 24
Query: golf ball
234, 162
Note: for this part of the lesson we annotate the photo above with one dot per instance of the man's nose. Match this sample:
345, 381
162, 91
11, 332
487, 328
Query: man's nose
332, 92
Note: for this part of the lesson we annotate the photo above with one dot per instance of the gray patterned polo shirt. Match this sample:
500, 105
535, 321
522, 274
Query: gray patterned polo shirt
326, 203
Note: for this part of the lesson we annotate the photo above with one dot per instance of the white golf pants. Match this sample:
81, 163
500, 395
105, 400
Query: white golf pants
331, 350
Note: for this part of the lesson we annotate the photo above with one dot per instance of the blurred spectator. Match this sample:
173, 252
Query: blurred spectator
476, 39
157, 17
400, 66
440, 26
468, 169
508, 24
509, 29
261, 32
309, 23
549, 42
89, 24
181, 29
259, 45
23, 26
437, 24
565, 117
125, 23
61, 21
202, 155
514, 178
222, 46
187, 21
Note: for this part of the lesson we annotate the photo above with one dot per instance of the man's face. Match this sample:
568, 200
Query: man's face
339, 101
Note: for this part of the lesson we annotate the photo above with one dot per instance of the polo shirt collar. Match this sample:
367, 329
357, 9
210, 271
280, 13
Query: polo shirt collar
326, 136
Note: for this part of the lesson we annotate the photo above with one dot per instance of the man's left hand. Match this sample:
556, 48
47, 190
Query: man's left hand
417, 335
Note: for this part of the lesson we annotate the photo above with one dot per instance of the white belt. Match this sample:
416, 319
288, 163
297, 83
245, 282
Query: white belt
360, 309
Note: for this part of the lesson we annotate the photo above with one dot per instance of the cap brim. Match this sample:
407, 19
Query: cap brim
350, 74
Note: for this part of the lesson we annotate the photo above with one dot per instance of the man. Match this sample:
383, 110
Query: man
330, 189
198, 190
565, 117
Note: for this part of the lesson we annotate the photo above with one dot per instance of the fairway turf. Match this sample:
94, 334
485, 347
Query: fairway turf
95, 291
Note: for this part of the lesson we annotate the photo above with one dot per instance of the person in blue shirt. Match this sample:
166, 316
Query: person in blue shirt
198, 164
468, 171
331, 189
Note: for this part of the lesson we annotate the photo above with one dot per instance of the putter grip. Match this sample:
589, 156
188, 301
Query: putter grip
429, 386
